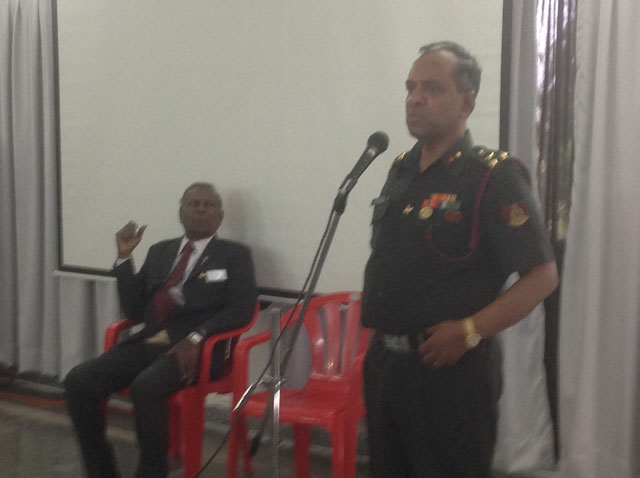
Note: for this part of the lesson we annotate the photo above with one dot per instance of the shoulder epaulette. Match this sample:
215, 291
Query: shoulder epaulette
491, 157
398, 159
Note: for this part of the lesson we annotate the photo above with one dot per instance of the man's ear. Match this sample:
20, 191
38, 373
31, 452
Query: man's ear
469, 102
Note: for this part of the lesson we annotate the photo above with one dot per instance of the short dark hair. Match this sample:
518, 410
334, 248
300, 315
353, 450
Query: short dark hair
468, 71
203, 185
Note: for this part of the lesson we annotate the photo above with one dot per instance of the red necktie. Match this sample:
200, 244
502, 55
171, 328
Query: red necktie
162, 300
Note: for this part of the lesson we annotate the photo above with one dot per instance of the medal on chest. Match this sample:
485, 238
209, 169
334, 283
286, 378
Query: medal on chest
447, 202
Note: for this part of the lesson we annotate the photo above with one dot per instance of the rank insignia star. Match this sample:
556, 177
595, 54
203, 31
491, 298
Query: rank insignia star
452, 158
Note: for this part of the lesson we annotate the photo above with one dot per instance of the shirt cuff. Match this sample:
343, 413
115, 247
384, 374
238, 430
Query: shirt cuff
121, 261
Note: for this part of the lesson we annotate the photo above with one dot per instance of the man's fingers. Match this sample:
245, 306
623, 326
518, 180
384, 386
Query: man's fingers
187, 356
128, 230
140, 231
429, 357
431, 330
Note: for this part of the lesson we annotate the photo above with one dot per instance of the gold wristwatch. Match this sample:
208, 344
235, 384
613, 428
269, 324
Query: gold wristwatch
471, 337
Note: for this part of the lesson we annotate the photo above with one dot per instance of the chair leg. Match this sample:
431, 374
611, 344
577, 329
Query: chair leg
193, 426
338, 444
301, 435
351, 447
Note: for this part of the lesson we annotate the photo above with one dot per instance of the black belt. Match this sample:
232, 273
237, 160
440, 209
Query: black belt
409, 343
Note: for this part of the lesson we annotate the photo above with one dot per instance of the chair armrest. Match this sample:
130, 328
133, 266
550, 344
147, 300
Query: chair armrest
112, 334
207, 352
211, 341
245, 345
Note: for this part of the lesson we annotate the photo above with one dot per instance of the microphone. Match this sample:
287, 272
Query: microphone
377, 144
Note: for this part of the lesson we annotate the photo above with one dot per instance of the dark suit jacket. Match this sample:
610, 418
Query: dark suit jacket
212, 304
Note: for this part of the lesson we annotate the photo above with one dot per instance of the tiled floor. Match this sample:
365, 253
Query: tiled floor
37, 441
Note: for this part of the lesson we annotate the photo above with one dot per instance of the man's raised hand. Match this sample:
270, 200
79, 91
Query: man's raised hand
128, 238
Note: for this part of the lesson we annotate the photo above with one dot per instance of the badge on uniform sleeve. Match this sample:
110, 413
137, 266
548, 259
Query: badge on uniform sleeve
515, 214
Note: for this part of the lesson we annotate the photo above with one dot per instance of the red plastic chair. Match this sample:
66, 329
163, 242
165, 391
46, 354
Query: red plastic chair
187, 406
332, 396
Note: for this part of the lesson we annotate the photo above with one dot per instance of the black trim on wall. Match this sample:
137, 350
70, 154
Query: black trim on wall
505, 74
56, 95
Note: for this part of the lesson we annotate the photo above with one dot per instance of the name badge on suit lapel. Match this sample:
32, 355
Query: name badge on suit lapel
215, 275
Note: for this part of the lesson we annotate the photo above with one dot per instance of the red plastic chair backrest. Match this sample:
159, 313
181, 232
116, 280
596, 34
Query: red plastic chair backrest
332, 323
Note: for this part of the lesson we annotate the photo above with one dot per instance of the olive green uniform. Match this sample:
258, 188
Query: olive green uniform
444, 242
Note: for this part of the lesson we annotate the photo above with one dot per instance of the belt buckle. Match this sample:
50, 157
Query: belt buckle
397, 343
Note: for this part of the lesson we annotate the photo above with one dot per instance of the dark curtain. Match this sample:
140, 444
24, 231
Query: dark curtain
556, 34
556, 57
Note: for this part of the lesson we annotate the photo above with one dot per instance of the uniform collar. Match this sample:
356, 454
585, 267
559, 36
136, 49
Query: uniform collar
450, 160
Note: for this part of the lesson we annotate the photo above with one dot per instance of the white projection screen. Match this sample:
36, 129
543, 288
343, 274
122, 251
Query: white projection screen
271, 101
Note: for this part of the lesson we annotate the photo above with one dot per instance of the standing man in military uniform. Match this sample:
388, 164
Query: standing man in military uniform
452, 223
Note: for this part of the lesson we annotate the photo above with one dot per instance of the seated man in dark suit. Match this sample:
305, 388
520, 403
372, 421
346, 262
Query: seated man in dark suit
187, 289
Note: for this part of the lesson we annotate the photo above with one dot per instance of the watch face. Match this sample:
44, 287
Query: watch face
472, 340
195, 337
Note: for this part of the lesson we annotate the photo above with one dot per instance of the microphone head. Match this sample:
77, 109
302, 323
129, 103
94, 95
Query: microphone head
379, 141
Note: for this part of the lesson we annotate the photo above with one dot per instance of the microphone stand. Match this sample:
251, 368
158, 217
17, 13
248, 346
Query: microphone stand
376, 144
339, 206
